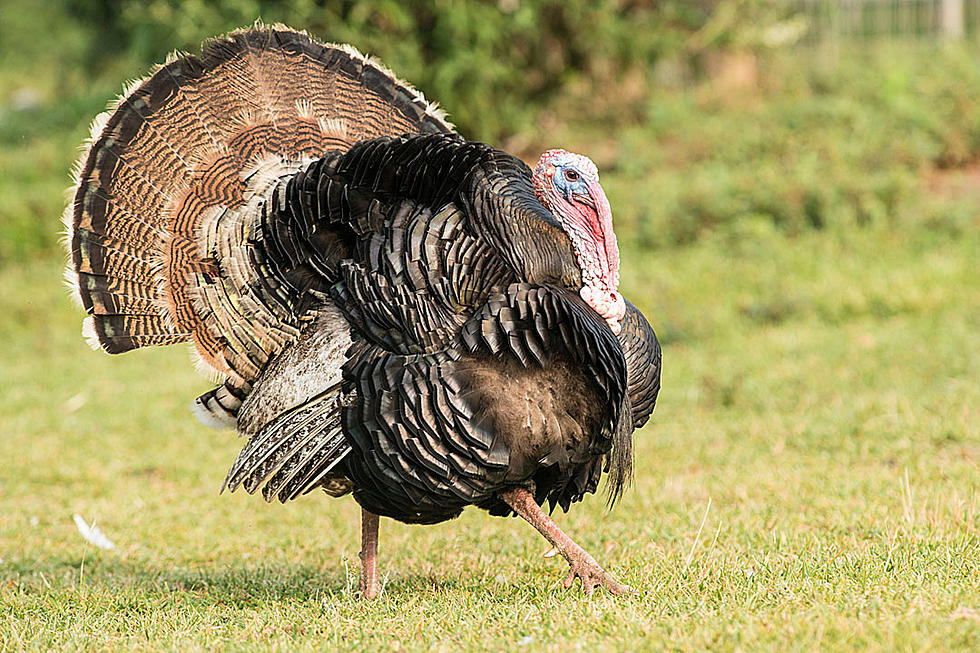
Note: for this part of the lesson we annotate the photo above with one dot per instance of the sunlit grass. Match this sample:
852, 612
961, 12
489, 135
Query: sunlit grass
821, 392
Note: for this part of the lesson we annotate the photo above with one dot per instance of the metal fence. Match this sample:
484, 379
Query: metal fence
863, 19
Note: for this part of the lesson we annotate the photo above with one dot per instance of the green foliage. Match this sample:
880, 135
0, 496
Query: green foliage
493, 64
822, 144
818, 139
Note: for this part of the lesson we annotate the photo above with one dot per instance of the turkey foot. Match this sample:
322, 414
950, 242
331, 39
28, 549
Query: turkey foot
584, 566
581, 564
369, 555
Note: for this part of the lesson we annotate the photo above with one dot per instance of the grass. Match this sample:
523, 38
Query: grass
820, 391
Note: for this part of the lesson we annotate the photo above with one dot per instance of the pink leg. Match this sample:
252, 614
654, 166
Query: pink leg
369, 555
582, 564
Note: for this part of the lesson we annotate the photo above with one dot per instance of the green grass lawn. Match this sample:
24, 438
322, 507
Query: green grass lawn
820, 392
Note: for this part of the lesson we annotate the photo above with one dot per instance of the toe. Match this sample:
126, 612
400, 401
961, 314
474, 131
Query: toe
569, 579
588, 584
616, 588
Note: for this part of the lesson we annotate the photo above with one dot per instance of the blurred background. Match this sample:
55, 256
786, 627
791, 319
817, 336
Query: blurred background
795, 186
705, 117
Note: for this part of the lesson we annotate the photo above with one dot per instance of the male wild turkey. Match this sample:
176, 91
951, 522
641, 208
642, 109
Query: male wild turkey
391, 310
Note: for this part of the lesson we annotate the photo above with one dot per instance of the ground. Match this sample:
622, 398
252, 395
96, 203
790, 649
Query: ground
809, 481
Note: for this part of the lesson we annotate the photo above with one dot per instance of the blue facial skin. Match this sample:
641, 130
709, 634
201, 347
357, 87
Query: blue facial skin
569, 187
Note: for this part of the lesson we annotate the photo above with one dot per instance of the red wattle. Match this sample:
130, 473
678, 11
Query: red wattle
607, 237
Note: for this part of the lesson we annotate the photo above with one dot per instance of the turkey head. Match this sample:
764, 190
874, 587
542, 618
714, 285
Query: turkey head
568, 186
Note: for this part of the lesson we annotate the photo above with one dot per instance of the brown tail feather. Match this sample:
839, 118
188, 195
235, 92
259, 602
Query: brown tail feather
161, 203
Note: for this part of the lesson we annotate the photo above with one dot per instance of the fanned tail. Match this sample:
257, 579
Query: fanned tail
167, 186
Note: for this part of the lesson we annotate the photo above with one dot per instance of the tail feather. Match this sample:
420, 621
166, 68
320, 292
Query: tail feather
170, 183
217, 408
116, 333
293, 451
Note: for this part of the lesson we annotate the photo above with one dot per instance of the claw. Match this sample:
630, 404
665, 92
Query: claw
569, 579
593, 576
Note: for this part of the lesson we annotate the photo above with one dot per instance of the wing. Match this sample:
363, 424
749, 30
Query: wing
409, 235
293, 415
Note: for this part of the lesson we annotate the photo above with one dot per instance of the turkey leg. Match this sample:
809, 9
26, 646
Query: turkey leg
581, 564
369, 555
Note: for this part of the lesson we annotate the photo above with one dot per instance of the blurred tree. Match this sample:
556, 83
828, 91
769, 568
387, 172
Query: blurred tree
493, 64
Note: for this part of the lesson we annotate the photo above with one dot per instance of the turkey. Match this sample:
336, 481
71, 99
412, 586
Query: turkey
389, 309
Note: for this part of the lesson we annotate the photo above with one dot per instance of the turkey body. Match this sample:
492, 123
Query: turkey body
391, 309
466, 375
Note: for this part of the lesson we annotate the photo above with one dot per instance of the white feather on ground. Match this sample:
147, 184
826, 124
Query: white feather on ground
92, 534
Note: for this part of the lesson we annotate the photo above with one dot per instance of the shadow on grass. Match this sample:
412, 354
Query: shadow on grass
241, 584
250, 585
